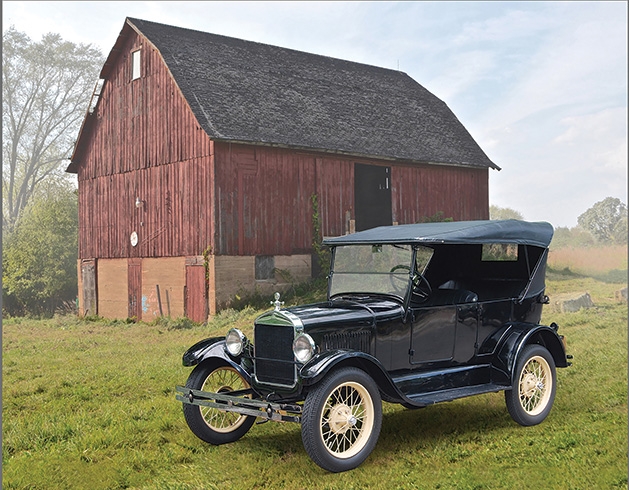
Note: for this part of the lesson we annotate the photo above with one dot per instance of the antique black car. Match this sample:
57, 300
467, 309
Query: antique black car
416, 314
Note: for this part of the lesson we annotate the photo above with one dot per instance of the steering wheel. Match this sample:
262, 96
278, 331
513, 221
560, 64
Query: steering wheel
421, 287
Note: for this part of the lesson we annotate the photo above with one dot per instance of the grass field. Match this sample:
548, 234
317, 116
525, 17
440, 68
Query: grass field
91, 405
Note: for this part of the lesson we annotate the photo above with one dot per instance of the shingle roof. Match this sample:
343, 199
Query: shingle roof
249, 92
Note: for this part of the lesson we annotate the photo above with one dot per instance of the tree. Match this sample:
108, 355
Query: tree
496, 212
572, 237
46, 89
606, 220
39, 258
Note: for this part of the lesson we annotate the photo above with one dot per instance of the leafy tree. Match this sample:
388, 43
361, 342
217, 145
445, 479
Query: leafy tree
620, 230
46, 89
606, 220
40, 256
572, 237
496, 212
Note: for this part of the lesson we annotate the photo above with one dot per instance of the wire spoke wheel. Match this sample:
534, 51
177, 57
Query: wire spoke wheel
347, 420
211, 424
534, 384
341, 420
223, 380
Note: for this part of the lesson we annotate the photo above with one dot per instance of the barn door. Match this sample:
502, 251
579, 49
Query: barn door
134, 275
372, 196
196, 290
88, 286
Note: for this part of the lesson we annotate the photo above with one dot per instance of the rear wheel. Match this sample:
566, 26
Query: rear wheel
534, 384
341, 420
210, 424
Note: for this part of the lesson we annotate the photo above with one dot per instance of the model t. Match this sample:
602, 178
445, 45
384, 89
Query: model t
415, 314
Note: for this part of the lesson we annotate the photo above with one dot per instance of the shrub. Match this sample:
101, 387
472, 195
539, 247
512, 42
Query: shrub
39, 260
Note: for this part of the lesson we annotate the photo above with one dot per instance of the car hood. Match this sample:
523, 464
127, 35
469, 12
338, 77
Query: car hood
362, 312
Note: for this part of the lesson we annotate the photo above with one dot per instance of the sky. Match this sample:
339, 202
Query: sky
541, 86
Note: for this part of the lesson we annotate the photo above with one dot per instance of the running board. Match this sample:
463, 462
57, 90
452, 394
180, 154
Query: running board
424, 399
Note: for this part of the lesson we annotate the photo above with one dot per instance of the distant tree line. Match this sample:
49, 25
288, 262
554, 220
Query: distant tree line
605, 223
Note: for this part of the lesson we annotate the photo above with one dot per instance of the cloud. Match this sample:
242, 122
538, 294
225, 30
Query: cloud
554, 167
502, 27
582, 62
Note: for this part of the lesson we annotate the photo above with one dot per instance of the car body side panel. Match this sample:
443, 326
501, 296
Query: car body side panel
466, 333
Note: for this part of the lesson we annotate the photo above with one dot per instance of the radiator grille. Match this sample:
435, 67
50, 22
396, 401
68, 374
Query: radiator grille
274, 361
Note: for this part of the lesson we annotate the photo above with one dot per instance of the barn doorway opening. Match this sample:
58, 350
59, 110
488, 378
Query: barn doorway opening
372, 196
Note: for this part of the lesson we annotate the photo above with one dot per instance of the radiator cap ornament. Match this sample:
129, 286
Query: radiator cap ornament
277, 303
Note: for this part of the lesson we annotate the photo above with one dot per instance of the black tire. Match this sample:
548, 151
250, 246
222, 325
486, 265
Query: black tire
210, 424
341, 420
534, 385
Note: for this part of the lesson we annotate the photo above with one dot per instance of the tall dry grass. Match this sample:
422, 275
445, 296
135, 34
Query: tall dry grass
589, 260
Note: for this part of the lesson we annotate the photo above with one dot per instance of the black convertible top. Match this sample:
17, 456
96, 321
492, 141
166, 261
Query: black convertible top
457, 232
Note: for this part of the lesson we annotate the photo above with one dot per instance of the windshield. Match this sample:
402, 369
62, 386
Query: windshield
379, 269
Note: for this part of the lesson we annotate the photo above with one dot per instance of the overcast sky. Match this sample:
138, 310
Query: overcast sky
541, 86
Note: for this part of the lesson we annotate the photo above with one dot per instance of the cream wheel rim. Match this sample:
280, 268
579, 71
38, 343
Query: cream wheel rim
223, 380
347, 420
535, 385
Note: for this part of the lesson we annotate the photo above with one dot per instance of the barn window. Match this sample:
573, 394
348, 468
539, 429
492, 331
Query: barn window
265, 267
135, 64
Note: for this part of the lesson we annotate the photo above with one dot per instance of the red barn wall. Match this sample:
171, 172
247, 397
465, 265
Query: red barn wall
264, 196
145, 144
460, 193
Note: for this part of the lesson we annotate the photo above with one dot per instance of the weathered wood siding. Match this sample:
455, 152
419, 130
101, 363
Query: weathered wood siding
264, 199
457, 192
144, 144
264, 196
173, 218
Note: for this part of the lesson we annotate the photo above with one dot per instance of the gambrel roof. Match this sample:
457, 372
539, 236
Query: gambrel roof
248, 92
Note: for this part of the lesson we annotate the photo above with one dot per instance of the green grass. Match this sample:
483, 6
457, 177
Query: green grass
91, 404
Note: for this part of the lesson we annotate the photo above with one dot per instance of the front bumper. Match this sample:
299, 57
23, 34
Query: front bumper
278, 412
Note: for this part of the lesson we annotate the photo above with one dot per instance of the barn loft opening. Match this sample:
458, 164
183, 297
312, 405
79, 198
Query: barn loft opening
135, 64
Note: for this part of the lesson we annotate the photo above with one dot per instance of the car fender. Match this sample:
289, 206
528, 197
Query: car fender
312, 372
211, 347
515, 338
213, 350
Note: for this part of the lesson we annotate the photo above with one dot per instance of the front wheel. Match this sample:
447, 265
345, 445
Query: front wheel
210, 424
534, 384
341, 420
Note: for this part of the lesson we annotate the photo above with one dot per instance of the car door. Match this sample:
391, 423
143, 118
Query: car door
433, 334
442, 334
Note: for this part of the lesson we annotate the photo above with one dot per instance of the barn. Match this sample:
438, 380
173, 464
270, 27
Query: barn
201, 158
